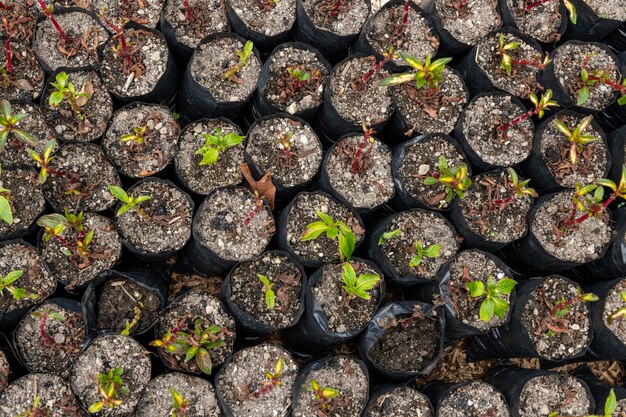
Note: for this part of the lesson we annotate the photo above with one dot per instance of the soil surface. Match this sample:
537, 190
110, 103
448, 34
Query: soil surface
25, 198
347, 20
4, 370
541, 22
246, 289
158, 145
475, 399
106, 353
267, 17
372, 184
235, 224
15, 153
612, 304
470, 23
556, 330
401, 401
26, 80
608, 9
146, 12
244, 386
214, 59
559, 393
202, 179
166, 223
207, 17
24, 14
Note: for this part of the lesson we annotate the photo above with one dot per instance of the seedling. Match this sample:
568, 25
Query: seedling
48, 11
518, 189
508, 61
7, 281
6, 211
273, 379
590, 78
137, 135
357, 286
35, 410
9, 123
65, 90
119, 31
428, 74
243, 56
432, 252
577, 137
270, 297
284, 144
387, 236
180, 406
357, 163
111, 387
217, 143
564, 306
325, 396
333, 230
495, 300
55, 224
7, 46
540, 106
332, 8
43, 161
43, 317
454, 179
194, 345
609, 407
298, 77
387, 56
129, 201
405, 19
571, 10
135, 321
620, 312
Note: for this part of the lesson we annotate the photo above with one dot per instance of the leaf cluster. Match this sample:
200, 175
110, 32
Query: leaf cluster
137, 135
358, 286
9, 123
334, 230
217, 143
66, 90
128, 201
454, 179
506, 62
111, 387
427, 74
544, 103
267, 289
520, 188
495, 296
180, 406
243, 56
7, 281
432, 252
577, 137
43, 160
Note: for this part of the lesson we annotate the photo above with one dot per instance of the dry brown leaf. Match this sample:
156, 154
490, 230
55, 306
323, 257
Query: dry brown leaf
265, 187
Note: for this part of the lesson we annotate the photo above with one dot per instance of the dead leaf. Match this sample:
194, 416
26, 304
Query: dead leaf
265, 187
23, 84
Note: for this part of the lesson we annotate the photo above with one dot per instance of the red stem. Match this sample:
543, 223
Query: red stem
335, 10
536, 4
56, 25
45, 339
512, 123
253, 213
524, 62
563, 304
594, 211
610, 83
2, 5
354, 167
119, 30
405, 18
7, 48
373, 72
187, 10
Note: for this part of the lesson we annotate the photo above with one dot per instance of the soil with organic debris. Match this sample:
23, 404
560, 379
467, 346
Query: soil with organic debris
401, 401
158, 134
244, 386
202, 179
234, 224
541, 22
26, 80
558, 393
207, 17
246, 289
475, 399
50, 344
608, 9
359, 169
345, 19
468, 22
267, 17
25, 199
165, 224
214, 59
612, 304
24, 18
15, 152
144, 12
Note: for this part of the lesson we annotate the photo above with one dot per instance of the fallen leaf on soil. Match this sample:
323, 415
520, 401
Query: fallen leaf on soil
265, 187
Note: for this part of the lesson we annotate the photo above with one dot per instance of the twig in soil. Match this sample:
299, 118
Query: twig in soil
119, 31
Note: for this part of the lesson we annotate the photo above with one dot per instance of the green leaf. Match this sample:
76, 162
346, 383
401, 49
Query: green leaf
416, 261
367, 282
487, 310
270, 299
583, 96
325, 218
95, 407
52, 221
233, 139
396, 79
313, 231
573, 16
506, 285
57, 316
501, 307
431, 181
5, 108
61, 79
348, 275
55, 98
611, 404
622, 100
476, 288
12, 276
263, 279
203, 360
122, 210
210, 156
119, 193
347, 243
6, 214
142, 198
18, 293
25, 137
433, 251
191, 353
388, 235
413, 61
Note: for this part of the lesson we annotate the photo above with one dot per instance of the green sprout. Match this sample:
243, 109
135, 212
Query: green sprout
621, 312
6, 212
610, 405
111, 387
454, 179
180, 406
243, 59
65, 90
518, 189
7, 281
495, 301
333, 230
324, 395
43, 317
217, 143
137, 135
428, 74
128, 201
270, 297
55, 224
432, 252
507, 61
9, 123
35, 410
387, 236
563, 307
299, 74
540, 106
43, 160
577, 137
357, 286
273, 379
591, 78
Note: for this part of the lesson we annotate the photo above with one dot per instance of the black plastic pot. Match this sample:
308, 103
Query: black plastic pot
614, 117
439, 391
599, 389
589, 26
616, 142
617, 39
30, 229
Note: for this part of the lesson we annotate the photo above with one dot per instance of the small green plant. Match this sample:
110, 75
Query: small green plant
43, 317
387, 56
577, 137
217, 143
454, 179
357, 286
518, 189
129, 201
43, 160
270, 297
7, 281
564, 306
65, 90
6, 211
137, 135
507, 60
540, 106
273, 379
620, 312
9, 123
428, 74
495, 300
55, 224
180, 406
334, 230
610, 405
387, 236
111, 387
590, 78
299, 74
325, 396
243, 56
432, 252
135, 321
35, 410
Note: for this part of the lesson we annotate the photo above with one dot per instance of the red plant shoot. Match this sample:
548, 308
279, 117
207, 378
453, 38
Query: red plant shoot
336, 8
388, 56
2, 6
405, 18
7, 48
187, 10
119, 30
357, 158
536, 4
541, 105
255, 210
47, 10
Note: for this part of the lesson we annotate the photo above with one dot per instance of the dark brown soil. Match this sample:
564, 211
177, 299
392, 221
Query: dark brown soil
207, 17
558, 393
541, 22
612, 304
25, 198
146, 12
468, 22
346, 20
265, 16
21, 14
26, 80
475, 399
401, 401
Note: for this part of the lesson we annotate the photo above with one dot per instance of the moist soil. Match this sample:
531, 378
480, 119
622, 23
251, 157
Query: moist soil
167, 222
421, 159
523, 79
487, 212
91, 123
608, 9
145, 12
371, 102
348, 18
417, 38
26, 80
468, 23
25, 198
149, 57
475, 399
15, 153
182, 312
21, 14
81, 29
203, 179
557, 337
408, 344
246, 290
289, 94
82, 180
303, 212
612, 303
156, 400
234, 224
479, 124
568, 63
429, 229
36, 280
346, 315
581, 243
541, 22
342, 374
212, 60
473, 265
266, 17
557, 392
105, 353
555, 147
76, 270
207, 17
430, 110
289, 149
50, 345
4, 370
372, 184
159, 140
243, 382
117, 299
53, 391
401, 401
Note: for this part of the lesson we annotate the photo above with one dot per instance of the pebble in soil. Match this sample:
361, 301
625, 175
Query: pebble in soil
267, 17
400, 401
25, 199
15, 152
542, 22
558, 393
468, 22
26, 80
347, 21
207, 17
475, 399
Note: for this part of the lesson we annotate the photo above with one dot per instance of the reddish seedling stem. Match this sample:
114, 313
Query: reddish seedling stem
7, 48
187, 10
520, 119
373, 72
524, 62
536, 4
358, 155
254, 211
335, 10
56, 25
119, 30
2, 5
405, 18
610, 83
45, 339
570, 222
563, 304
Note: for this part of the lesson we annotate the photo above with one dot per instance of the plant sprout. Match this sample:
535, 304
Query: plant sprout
577, 137
270, 297
6, 212
590, 78
216, 144
135, 321
428, 74
454, 179
300, 75
621, 312
432, 252
333, 230
7, 281
518, 189
507, 60
324, 395
137, 135
565, 305
357, 159
540, 106
43, 317
387, 236
180, 406
111, 387
9, 123
48, 11
55, 224
387, 56
495, 300
357, 286
65, 90
129, 201
35, 410
43, 160
273, 379
243, 56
